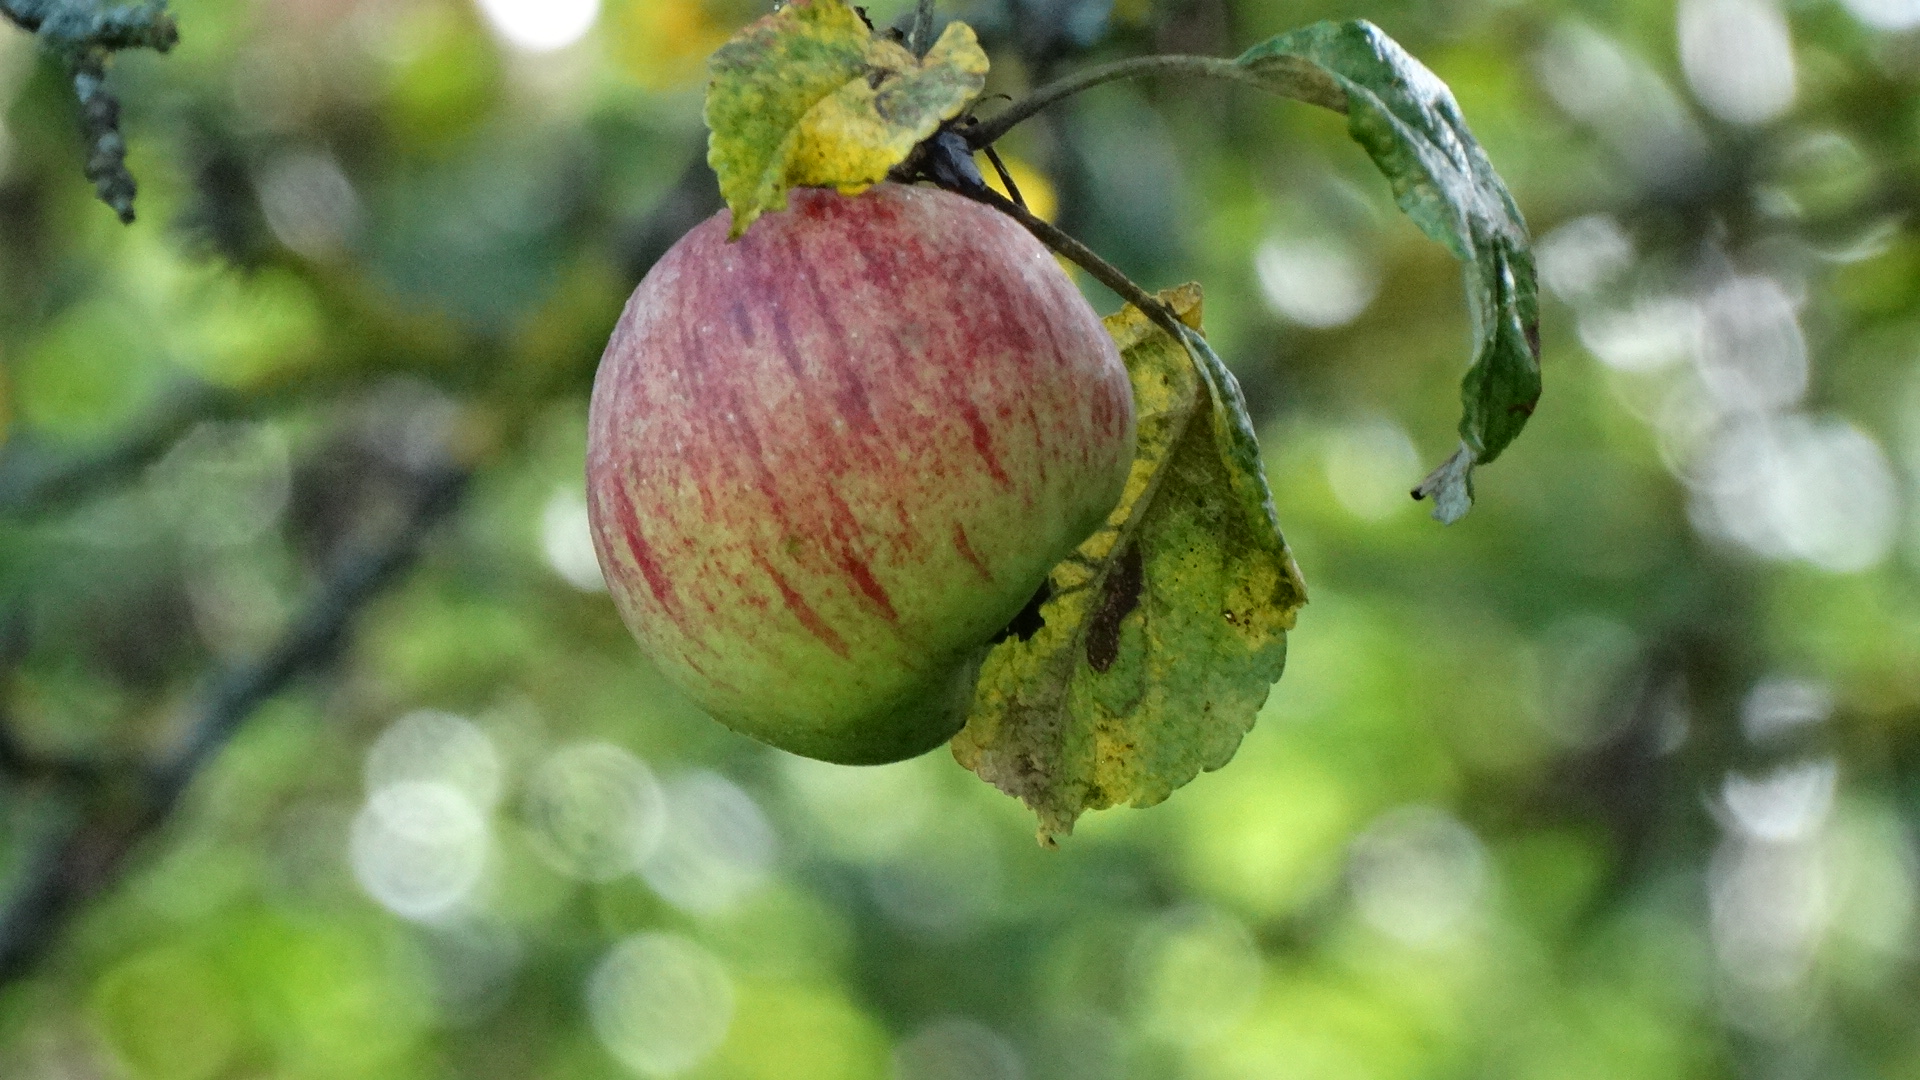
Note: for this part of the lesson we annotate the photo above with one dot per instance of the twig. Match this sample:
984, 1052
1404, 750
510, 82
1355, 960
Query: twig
1084, 257
33, 480
1295, 84
67, 25
85, 36
81, 855
1006, 178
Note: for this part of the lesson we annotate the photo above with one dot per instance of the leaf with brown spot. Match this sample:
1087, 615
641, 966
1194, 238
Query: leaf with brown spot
1165, 629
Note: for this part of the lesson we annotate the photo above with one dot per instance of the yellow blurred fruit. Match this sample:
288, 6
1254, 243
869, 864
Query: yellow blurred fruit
663, 44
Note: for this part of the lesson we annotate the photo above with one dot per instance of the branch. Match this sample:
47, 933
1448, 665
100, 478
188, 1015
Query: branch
33, 480
1298, 84
920, 37
1084, 257
85, 36
83, 854
67, 26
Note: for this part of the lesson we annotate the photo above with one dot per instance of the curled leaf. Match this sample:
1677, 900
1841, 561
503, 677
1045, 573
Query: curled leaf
1407, 121
1167, 628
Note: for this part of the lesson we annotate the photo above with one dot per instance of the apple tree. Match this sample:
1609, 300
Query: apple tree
326, 753
1159, 637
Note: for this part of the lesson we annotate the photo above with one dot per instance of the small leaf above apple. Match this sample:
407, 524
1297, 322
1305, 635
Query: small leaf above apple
810, 96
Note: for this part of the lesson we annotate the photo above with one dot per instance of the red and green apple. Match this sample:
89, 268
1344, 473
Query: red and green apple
829, 461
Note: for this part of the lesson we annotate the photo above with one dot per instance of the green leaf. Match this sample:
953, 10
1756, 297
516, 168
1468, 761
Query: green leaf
1408, 122
811, 96
1165, 629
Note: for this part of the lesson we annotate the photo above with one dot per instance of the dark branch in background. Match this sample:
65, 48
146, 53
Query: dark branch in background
920, 37
83, 852
35, 480
100, 812
85, 36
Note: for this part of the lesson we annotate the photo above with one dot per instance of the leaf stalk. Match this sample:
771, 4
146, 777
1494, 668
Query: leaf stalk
1299, 85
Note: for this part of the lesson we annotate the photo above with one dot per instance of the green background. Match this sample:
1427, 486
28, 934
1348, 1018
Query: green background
1615, 778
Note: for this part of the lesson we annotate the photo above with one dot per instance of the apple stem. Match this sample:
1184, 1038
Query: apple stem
1312, 91
1084, 257
1006, 178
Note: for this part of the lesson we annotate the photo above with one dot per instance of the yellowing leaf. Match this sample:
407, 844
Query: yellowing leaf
866, 127
1167, 628
810, 96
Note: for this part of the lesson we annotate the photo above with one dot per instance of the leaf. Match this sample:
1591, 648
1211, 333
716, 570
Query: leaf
1165, 629
1408, 122
811, 96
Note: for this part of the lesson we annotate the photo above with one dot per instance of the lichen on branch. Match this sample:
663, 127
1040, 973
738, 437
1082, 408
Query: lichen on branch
85, 35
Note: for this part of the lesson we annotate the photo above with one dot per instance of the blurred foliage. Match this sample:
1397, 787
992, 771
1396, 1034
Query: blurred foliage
1617, 777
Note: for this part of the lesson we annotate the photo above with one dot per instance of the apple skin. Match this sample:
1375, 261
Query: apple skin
827, 462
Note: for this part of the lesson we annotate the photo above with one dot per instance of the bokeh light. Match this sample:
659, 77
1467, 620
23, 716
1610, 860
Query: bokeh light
430, 745
1315, 281
541, 25
595, 811
1195, 972
419, 847
309, 204
223, 483
566, 538
957, 1048
717, 848
1418, 875
1582, 256
1371, 464
1738, 57
660, 1003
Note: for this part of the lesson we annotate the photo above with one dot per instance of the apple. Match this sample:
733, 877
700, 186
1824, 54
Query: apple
828, 462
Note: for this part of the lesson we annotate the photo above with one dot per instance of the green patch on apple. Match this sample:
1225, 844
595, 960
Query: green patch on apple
867, 474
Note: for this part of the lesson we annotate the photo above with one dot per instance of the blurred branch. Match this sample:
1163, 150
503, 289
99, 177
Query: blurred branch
82, 855
694, 197
33, 480
920, 37
85, 35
